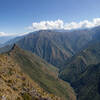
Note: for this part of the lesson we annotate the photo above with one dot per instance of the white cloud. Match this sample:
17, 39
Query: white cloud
59, 24
7, 34
3, 34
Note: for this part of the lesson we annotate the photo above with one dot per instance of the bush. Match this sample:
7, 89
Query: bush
26, 96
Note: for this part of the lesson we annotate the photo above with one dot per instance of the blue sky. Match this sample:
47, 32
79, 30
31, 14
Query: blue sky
17, 15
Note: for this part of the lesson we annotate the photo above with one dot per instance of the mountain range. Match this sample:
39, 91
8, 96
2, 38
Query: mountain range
48, 57
82, 71
54, 47
29, 77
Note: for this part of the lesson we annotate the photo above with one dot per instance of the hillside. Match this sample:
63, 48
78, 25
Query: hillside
77, 69
88, 85
55, 47
44, 47
48, 85
15, 85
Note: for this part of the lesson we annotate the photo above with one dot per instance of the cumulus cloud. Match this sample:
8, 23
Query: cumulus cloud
59, 24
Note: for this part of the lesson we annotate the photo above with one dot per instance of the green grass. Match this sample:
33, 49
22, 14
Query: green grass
43, 73
81, 72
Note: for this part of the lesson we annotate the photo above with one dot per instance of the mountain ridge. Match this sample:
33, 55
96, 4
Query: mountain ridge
42, 73
77, 72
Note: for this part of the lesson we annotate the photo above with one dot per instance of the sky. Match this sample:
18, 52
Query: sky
22, 16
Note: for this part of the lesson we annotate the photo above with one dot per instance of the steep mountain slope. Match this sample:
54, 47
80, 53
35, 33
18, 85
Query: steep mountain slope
45, 48
78, 63
15, 85
55, 47
88, 86
43, 74
77, 69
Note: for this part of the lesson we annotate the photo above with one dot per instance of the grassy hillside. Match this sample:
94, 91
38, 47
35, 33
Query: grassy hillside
88, 85
78, 68
42, 73
78, 63
55, 47
16, 85
44, 47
